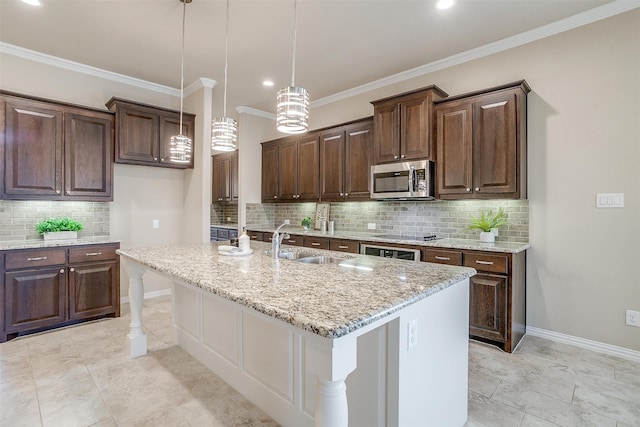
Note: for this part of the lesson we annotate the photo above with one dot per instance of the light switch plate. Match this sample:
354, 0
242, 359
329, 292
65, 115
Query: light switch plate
610, 200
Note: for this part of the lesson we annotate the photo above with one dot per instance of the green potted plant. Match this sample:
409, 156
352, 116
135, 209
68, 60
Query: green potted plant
306, 223
59, 228
487, 222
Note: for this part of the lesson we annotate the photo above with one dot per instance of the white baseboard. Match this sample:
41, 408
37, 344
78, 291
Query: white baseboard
612, 350
148, 295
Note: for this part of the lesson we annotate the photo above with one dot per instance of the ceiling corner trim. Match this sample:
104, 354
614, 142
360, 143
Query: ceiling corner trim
596, 14
256, 112
54, 61
198, 84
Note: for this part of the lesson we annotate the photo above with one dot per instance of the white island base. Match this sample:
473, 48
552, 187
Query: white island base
299, 378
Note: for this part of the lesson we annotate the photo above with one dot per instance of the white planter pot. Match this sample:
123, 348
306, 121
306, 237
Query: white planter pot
487, 237
61, 235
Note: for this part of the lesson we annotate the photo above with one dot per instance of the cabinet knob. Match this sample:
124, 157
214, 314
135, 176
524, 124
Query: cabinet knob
477, 188
62, 271
72, 269
346, 194
341, 194
57, 191
468, 189
275, 197
155, 158
395, 157
161, 159
402, 157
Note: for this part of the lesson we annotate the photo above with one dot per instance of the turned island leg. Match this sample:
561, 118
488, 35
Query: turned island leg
137, 337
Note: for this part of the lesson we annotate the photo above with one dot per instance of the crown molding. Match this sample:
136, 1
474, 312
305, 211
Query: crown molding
255, 112
202, 82
606, 11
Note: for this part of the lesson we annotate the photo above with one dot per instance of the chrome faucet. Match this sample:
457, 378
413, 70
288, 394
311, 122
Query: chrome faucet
276, 239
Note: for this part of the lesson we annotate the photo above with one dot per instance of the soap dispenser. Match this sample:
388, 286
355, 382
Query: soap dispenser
243, 241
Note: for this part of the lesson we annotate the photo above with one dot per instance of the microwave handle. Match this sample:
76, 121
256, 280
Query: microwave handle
412, 177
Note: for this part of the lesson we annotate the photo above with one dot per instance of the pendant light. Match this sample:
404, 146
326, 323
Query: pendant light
292, 111
224, 130
181, 145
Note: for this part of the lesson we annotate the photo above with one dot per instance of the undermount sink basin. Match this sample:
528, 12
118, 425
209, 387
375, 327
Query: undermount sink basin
295, 255
319, 260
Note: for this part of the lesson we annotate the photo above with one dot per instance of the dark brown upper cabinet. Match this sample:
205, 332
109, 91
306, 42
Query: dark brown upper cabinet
54, 151
143, 133
482, 144
345, 161
403, 126
224, 178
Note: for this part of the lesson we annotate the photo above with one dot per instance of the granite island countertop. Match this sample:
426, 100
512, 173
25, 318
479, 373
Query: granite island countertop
41, 244
330, 300
445, 243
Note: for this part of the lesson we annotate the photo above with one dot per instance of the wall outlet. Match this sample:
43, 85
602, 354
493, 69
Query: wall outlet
155, 223
610, 200
412, 334
371, 226
633, 318
228, 219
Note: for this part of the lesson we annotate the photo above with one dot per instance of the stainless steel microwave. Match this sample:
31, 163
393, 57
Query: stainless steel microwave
403, 181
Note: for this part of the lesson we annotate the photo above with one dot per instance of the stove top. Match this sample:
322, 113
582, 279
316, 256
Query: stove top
424, 238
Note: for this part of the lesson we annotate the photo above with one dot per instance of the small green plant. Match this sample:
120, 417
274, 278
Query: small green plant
489, 220
306, 222
58, 224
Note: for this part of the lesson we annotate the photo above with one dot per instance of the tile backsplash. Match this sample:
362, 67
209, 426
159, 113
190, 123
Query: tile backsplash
224, 214
18, 219
443, 218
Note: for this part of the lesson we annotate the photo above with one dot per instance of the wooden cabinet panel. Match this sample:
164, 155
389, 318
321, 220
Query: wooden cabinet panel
441, 256
33, 135
93, 289
34, 298
342, 245
316, 242
332, 164
308, 165
35, 258
294, 240
235, 177
487, 262
403, 126
255, 235
488, 306
92, 253
170, 126
287, 170
224, 178
482, 144
270, 172
358, 160
88, 156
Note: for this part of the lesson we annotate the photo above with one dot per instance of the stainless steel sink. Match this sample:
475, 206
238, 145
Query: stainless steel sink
319, 260
295, 255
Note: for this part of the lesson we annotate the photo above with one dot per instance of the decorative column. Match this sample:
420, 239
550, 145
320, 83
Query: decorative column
137, 337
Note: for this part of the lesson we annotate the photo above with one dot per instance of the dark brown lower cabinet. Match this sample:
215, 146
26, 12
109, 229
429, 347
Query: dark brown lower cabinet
488, 307
46, 288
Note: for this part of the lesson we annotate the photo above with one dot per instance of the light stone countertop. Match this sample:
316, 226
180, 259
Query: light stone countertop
476, 245
330, 300
228, 225
40, 244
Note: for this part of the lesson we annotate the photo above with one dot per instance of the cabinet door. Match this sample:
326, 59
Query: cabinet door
270, 172
88, 155
308, 165
93, 289
288, 170
386, 147
221, 178
358, 160
332, 164
234, 177
32, 149
415, 128
170, 126
488, 306
34, 298
136, 135
494, 144
216, 166
454, 149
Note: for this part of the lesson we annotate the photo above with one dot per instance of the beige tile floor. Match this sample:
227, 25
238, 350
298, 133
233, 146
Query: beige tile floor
82, 376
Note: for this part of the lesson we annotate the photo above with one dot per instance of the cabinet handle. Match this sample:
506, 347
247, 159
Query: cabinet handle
291, 241
315, 244
62, 271
343, 247
93, 253
477, 188
484, 262
443, 258
40, 258
253, 237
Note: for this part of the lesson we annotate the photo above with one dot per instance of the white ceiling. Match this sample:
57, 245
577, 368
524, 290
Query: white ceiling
342, 44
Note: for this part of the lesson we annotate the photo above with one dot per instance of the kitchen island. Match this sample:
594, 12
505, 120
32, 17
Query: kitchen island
286, 334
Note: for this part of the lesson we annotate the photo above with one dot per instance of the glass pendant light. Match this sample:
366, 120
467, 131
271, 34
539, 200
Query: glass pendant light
181, 145
224, 130
292, 111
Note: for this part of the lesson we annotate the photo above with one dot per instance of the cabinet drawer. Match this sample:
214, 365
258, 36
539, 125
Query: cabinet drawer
233, 234
93, 253
351, 246
35, 258
487, 262
440, 256
316, 242
255, 235
223, 234
294, 239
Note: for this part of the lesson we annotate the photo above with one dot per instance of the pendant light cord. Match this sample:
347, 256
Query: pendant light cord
226, 61
184, 13
295, 27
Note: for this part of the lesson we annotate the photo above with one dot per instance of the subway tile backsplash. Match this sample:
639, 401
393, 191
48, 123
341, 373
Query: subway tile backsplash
18, 219
443, 218
224, 214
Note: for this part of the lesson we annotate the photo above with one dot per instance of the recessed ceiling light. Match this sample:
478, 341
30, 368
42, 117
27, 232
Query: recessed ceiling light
267, 83
444, 4
33, 2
